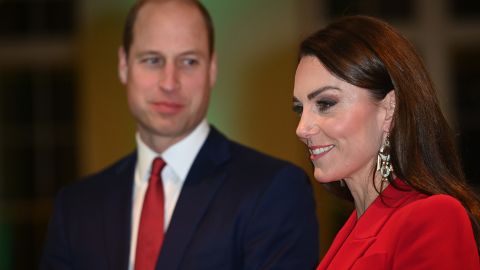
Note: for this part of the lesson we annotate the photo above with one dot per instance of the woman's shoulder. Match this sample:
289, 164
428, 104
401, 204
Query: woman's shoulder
410, 200
438, 201
430, 225
434, 207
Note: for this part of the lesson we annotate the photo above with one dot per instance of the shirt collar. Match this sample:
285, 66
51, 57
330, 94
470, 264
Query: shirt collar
179, 157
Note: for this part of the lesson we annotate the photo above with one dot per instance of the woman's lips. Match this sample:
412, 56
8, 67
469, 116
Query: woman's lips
319, 151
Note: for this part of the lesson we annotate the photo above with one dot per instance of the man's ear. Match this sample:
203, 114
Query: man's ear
389, 103
213, 69
122, 65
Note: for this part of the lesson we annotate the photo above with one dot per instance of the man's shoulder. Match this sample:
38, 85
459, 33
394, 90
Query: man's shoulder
121, 165
257, 163
251, 159
248, 153
99, 180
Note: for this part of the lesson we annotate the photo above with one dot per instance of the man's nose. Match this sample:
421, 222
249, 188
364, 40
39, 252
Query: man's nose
169, 78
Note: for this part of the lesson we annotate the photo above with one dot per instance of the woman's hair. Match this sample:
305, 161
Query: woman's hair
369, 53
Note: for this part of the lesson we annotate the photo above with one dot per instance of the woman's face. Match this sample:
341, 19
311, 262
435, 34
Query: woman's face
341, 124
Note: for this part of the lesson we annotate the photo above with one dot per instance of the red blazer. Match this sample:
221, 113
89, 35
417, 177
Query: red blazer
407, 230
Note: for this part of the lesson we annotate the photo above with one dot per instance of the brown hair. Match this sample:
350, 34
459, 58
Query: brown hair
128, 34
370, 54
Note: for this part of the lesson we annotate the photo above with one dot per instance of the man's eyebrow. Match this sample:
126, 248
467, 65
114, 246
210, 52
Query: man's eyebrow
144, 53
197, 53
190, 52
316, 92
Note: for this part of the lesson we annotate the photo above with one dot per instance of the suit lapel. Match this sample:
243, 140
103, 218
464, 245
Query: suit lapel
338, 242
117, 214
358, 236
201, 184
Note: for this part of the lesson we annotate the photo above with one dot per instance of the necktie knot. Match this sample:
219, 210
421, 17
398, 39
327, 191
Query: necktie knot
157, 166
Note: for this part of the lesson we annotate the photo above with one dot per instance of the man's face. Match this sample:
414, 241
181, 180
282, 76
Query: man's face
168, 72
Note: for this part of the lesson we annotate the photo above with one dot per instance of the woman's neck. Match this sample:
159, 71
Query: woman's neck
364, 192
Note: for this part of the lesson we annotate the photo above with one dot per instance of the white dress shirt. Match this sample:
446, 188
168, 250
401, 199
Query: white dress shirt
179, 158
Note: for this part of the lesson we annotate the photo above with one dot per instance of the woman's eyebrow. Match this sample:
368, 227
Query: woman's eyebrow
315, 93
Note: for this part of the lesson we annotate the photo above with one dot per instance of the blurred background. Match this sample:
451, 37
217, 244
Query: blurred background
63, 113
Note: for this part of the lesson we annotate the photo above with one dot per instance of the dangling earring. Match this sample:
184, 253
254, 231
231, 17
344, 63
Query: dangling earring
383, 160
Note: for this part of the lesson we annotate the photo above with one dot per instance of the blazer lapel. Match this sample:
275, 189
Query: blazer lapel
364, 231
117, 214
338, 241
203, 181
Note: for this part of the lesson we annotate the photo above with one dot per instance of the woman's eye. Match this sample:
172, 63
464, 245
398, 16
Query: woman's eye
297, 108
325, 104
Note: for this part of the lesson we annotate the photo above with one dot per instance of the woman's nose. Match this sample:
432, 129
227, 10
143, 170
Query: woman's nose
307, 127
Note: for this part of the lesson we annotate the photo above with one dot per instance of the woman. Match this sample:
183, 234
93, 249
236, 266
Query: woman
371, 120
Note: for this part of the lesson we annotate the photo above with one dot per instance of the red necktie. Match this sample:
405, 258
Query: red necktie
150, 230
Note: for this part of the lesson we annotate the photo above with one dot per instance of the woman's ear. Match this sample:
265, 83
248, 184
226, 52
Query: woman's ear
389, 103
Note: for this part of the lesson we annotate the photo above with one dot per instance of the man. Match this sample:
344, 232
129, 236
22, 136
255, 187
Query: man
222, 205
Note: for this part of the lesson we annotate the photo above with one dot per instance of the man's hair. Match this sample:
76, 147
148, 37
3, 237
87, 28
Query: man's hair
128, 34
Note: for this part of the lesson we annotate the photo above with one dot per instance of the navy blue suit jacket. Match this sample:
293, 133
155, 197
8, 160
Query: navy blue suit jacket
238, 209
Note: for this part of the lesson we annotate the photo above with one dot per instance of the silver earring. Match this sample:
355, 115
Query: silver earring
383, 160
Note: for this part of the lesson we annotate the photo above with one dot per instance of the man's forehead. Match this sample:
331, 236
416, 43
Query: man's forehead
169, 7
180, 21
172, 15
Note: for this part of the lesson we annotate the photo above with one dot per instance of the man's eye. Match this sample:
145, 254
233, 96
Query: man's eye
189, 62
153, 61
